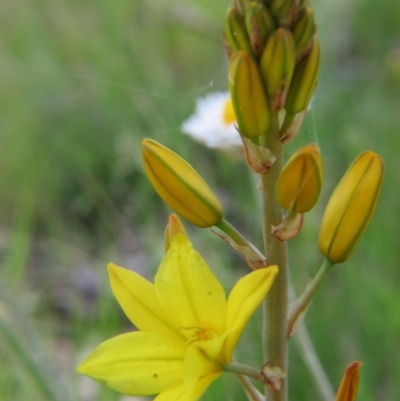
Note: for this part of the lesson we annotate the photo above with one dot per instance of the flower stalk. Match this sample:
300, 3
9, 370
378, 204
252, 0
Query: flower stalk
276, 303
301, 304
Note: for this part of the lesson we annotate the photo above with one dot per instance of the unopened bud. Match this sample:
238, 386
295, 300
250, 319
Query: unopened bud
240, 6
260, 24
174, 226
277, 66
303, 3
285, 11
304, 81
180, 186
351, 207
235, 34
300, 182
348, 388
303, 32
249, 100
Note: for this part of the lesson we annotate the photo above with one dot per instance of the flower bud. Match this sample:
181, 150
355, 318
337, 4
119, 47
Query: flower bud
303, 32
348, 388
304, 81
174, 226
277, 66
250, 103
240, 6
235, 34
302, 4
285, 11
180, 186
300, 181
260, 24
351, 207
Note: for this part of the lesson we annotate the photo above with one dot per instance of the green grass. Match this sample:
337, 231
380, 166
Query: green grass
82, 82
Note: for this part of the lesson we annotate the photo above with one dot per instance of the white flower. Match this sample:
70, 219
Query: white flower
213, 122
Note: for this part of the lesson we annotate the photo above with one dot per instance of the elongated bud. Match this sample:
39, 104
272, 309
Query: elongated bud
277, 66
250, 103
180, 186
260, 24
303, 32
285, 11
240, 6
348, 388
235, 34
303, 3
174, 226
300, 182
304, 81
351, 207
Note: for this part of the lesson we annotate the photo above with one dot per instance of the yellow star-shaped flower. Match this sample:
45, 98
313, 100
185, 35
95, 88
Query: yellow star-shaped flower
188, 329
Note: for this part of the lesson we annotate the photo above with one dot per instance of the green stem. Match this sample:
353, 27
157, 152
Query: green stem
276, 304
231, 231
301, 304
252, 393
311, 358
254, 258
246, 370
313, 362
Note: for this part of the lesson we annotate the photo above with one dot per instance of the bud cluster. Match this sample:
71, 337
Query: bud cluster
274, 63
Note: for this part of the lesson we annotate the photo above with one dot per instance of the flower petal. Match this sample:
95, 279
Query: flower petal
202, 359
137, 363
188, 289
191, 393
138, 299
243, 300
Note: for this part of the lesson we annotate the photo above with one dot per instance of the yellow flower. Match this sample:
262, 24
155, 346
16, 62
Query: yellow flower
351, 207
188, 329
349, 385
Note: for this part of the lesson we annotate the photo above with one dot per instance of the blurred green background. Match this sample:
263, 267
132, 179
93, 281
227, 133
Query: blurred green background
81, 83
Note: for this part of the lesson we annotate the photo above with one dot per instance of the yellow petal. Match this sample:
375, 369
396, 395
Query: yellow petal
138, 363
202, 358
243, 300
188, 290
191, 393
138, 299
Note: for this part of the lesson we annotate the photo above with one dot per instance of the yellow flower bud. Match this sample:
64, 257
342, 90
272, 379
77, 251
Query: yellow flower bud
240, 6
304, 81
174, 226
300, 181
180, 186
348, 388
285, 11
235, 34
277, 65
260, 24
351, 207
303, 32
250, 103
